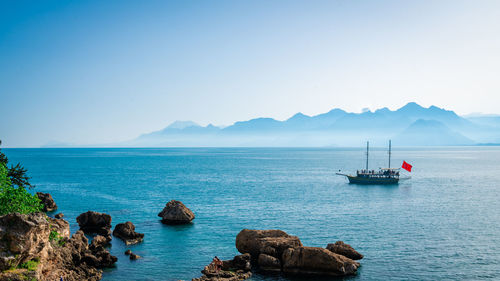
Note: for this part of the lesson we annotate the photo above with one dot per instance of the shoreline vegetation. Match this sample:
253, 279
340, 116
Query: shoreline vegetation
34, 246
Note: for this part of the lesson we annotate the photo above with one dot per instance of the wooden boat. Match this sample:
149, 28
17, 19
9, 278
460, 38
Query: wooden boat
382, 176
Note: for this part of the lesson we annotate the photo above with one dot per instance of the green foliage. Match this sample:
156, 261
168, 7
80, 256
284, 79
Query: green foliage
13, 194
16, 199
17, 174
56, 237
30, 265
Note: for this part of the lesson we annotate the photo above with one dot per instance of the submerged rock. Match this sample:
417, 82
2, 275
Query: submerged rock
175, 212
344, 249
126, 232
45, 243
93, 222
317, 261
47, 201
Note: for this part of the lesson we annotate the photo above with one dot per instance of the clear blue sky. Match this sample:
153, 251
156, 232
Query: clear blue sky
103, 71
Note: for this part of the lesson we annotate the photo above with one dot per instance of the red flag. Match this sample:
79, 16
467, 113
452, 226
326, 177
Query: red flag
406, 166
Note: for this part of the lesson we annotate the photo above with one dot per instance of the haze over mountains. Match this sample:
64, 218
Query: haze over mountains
410, 125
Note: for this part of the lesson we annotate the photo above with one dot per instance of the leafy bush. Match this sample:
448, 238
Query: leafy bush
16, 174
14, 197
30, 265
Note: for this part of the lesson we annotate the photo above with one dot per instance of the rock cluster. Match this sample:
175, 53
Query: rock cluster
276, 251
231, 270
95, 223
126, 232
176, 213
45, 242
47, 201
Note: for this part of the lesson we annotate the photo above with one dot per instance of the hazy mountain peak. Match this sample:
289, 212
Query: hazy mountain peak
411, 106
431, 132
336, 110
298, 116
182, 125
383, 110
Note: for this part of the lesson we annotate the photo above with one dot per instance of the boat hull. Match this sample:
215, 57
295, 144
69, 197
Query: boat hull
372, 180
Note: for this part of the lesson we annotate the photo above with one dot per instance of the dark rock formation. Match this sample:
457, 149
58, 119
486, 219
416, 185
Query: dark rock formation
275, 251
59, 216
126, 232
128, 252
240, 262
48, 202
232, 270
134, 256
94, 222
317, 261
270, 242
99, 241
176, 213
45, 242
269, 263
345, 250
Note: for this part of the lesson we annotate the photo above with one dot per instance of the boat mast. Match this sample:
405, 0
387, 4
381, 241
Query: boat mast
389, 154
367, 145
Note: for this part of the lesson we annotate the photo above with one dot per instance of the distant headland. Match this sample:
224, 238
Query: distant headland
410, 125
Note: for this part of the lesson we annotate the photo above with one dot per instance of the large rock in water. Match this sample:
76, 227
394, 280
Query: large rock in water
94, 222
176, 213
48, 202
45, 242
317, 261
126, 232
344, 249
275, 250
270, 242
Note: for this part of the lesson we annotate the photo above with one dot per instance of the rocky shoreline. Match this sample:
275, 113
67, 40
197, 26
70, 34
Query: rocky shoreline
275, 251
38, 247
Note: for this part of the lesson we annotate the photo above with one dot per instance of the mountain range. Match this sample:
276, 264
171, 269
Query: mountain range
410, 125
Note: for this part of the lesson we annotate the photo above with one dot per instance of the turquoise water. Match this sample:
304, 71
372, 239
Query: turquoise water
444, 223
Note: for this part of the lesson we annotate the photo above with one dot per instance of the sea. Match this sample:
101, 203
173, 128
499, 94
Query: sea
443, 223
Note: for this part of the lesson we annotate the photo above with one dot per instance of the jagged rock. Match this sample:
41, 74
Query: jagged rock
232, 270
48, 202
176, 213
240, 262
59, 216
99, 241
344, 249
317, 261
269, 263
36, 237
270, 242
134, 256
128, 252
126, 232
94, 222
